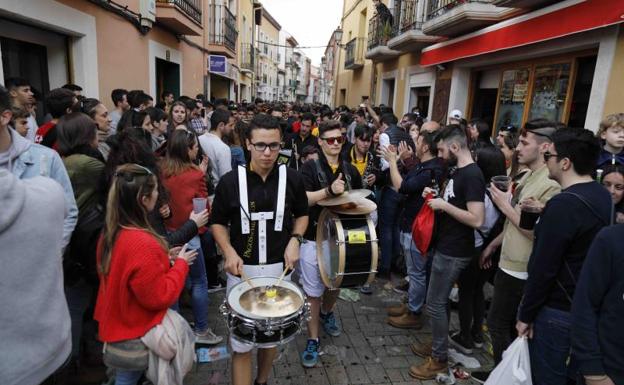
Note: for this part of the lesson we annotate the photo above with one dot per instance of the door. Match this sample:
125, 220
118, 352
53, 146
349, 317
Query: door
167, 77
419, 98
28, 61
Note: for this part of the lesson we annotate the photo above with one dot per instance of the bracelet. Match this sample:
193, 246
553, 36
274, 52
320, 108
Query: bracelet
596, 378
330, 192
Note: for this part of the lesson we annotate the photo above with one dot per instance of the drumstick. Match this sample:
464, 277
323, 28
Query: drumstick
281, 277
246, 278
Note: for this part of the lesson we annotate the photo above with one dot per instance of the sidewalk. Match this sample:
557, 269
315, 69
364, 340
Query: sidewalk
368, 352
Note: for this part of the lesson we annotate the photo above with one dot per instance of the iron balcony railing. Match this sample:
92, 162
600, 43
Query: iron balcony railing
222, 26
192, 8
247, 58
408, 19
440, 7
355, 52
379, 31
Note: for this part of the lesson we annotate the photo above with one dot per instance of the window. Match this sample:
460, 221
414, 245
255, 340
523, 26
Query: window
549, 91
512, 97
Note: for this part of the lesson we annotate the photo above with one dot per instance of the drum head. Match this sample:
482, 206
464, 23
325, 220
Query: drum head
254, 303
329, 234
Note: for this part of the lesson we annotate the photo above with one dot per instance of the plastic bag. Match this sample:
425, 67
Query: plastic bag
422, 227
515, 368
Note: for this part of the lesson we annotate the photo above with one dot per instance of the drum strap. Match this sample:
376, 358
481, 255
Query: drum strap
322, 178
262, 217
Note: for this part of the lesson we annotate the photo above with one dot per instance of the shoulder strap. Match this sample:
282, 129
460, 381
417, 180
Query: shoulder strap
244, 202
347, 176
322, 178
281, 198
588, 205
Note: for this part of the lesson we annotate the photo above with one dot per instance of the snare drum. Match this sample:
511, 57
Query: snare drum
256, 319
346, 248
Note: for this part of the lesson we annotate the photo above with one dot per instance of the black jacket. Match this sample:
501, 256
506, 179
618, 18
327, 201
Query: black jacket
176, 238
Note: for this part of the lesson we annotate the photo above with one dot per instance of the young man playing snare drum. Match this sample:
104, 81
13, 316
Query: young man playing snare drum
265, 229
329, 177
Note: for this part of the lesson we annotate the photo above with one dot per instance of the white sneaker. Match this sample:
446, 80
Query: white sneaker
207, 337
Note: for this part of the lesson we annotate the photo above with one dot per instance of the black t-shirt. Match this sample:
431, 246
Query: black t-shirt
412, 187
262, 196
312, 183
295, 140
454, 238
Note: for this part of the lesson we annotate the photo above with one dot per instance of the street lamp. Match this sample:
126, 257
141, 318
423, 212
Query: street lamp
338, 33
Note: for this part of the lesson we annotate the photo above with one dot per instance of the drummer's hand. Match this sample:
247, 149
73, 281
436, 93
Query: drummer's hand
291, 255
233, 265
338, 187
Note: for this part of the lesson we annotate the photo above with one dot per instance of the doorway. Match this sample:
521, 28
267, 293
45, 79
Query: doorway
419, 98
387, 92
582, 91
167, 77
28, 61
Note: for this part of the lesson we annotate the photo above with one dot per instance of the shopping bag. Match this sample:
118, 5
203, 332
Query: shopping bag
515, 368
422, 227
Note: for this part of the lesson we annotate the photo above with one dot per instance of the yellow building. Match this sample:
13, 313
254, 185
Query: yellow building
267, 42
353, 73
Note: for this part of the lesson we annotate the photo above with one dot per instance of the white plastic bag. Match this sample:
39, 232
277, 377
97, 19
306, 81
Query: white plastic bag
515, 368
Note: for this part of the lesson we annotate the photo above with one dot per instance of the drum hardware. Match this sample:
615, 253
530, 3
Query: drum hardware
358, 273
350, 196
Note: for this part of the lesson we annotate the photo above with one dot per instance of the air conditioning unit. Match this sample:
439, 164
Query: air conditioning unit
147, 9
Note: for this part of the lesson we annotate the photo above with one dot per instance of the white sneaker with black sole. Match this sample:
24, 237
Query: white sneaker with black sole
458, 343
207, 337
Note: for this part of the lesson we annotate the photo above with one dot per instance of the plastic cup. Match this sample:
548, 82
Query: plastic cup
529, 213
502, 182
199, 205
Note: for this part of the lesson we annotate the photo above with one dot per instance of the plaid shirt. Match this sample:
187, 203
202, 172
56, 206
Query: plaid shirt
197, 124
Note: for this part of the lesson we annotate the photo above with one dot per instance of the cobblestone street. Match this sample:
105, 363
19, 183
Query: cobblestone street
369, 351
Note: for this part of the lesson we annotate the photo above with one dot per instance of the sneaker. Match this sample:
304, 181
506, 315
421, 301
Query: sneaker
366, 289
309, 357
429, 369
207, 337
215, 288
407, 320
480, 377
422, 350
460, 344
330, 324
401, 288
397, 310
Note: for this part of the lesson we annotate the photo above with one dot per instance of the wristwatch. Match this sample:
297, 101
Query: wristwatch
299, 238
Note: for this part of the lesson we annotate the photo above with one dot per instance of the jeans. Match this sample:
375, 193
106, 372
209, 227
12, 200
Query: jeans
471, 300
417, 273
444, 272
389, 226
211, 260
78, 298
127, 377
199, 287
501, 319
550, 347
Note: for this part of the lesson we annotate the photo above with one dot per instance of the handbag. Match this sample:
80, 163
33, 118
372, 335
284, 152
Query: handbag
422, 227
126, 355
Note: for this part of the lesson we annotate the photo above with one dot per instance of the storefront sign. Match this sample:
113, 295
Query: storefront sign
217, 64
560, 19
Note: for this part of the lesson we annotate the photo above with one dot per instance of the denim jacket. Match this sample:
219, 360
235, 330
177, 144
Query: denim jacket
37, 160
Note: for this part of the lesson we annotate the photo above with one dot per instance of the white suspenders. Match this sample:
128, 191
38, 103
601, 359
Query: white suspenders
261, 217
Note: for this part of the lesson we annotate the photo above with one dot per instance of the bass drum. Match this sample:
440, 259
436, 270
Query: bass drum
346, 249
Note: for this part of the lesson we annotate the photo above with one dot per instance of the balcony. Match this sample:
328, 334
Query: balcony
354, 58
181, 16
379, 33
456, 17
246, 58
408, 35
527, 4
222, 33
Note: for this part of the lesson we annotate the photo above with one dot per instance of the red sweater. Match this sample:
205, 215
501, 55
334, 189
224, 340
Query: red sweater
182, 189
139, 288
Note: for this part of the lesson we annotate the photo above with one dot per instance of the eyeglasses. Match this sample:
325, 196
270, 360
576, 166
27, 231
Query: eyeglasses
334, 140
261, 146
365, 140
548, 155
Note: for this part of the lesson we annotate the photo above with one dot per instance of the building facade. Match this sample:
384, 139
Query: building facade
329, 66
503, 61
267, 44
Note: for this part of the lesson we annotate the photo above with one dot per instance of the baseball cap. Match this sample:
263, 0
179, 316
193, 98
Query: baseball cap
457, 114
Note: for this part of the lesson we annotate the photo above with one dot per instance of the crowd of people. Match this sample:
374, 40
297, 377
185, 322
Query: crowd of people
115, 219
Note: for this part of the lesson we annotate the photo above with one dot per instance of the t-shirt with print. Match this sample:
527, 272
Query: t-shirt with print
454, 238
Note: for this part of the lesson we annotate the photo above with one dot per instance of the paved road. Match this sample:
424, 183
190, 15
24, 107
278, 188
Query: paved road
368, 352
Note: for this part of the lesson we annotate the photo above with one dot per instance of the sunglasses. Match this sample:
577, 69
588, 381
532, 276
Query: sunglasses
548, 155
334, 140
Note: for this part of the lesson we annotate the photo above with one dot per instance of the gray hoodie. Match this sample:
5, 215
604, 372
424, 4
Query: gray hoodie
35, 327
27, 160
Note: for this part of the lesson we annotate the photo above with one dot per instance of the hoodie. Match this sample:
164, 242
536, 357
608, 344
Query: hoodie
36, 327
27, 160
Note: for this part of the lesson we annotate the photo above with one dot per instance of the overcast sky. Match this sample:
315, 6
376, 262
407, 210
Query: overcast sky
311, 22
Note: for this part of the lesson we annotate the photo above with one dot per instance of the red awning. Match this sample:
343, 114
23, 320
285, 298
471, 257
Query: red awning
560, 19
